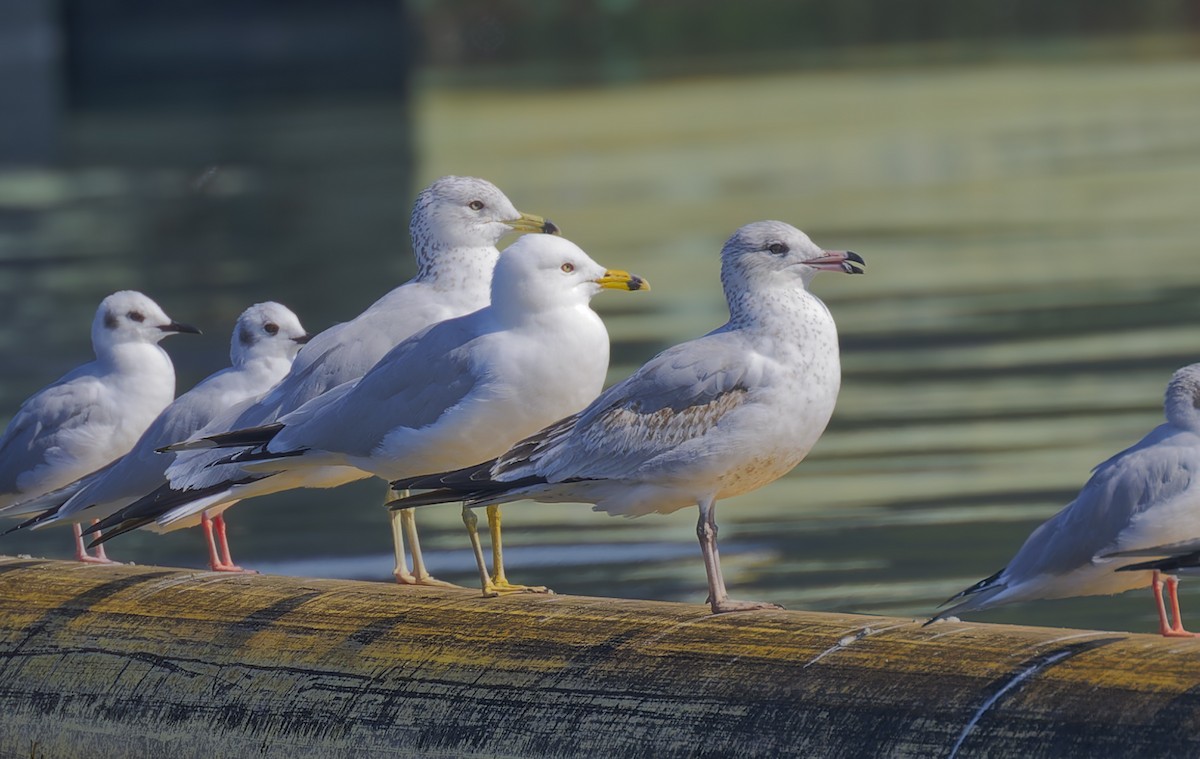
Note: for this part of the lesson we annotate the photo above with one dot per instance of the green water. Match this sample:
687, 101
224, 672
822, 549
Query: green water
1032, 283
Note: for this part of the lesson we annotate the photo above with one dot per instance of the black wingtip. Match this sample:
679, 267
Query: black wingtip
983, 584
1169, 564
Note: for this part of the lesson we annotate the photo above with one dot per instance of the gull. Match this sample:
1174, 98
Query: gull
264, 343
1144, 501
455, 225
461, 390
94, 414
708, 419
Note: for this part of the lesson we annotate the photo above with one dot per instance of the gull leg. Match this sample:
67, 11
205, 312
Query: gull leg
404, 529
81, 553
1156, 587
206, 524
408, 521
718, 597
500, 583
472, 523
1176, 630
226, 564
401, 573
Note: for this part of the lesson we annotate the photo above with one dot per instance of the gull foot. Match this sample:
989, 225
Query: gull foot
1180, 634
503, 587
89, 559
730, 605
408, 578
231, 568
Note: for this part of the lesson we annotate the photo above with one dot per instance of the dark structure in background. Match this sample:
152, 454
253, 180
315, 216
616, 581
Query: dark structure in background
213, 153
229, 53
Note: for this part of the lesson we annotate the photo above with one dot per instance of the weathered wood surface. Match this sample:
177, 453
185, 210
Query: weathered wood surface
146, 661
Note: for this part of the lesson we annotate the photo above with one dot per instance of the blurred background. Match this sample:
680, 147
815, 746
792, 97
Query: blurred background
1020, 176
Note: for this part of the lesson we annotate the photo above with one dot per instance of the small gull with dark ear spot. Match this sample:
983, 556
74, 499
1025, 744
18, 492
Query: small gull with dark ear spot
95, 413
257, 365
455, 248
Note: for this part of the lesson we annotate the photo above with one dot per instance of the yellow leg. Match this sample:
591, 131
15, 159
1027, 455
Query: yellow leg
500, 582
472, 523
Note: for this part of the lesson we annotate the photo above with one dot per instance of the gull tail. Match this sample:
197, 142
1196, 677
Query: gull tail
52, 501
247, 438
258, 453
473, 484
1169, 564
150, 507
36, 520
976, 596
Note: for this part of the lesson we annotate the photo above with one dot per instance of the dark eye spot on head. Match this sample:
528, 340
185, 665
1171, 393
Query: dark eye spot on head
110, 320
271, 328
246, 336
136, 316
476, 205
778, 248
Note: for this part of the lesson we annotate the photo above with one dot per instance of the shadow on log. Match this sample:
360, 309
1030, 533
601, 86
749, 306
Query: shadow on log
144, 661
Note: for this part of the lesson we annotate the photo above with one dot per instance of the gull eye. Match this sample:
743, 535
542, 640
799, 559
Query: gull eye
778, 248
568, 267
475, 205
136, 316
271, 328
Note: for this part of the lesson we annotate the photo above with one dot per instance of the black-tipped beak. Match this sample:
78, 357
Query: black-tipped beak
303, 339
845, 261
181, 328
528, 222
615, 279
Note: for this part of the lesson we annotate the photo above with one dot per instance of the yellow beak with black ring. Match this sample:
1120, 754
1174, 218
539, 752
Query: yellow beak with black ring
528, 222
497, 582
615, 279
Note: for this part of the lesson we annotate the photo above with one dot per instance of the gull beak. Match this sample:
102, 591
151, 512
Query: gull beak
615, 279
302, 340
845, 261
180, 328
527, 222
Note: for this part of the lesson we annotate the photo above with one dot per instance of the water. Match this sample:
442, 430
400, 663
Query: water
1032, 283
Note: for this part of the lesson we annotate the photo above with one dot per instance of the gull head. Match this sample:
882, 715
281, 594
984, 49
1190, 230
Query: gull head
266, 330
539, 272
1182, 403
468, 212
128, 316
772, 251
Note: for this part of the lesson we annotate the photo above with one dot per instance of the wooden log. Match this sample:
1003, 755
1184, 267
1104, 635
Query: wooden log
145, 661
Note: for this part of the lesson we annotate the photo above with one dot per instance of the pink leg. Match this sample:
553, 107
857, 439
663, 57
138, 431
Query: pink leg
718, 597
81, 553
1177, 630
214, 562
226, 558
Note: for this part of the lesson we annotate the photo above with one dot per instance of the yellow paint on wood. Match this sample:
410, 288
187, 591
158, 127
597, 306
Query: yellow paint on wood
144, 661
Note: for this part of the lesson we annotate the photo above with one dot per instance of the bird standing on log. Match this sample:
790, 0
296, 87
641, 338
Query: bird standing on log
94, 414
265, 341
1144, 501
461, 390
456, 223
708, 419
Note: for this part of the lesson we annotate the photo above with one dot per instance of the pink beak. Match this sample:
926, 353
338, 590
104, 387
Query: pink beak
845, 261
